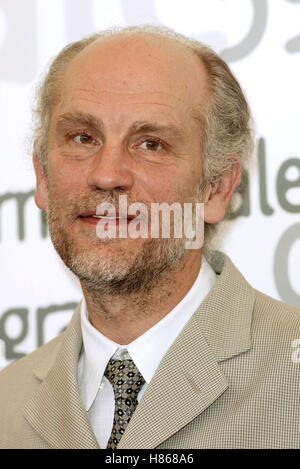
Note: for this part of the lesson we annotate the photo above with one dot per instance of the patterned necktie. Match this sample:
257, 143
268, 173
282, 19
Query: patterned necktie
127, 382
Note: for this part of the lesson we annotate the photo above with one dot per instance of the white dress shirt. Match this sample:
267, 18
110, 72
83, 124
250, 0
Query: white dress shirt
146, 351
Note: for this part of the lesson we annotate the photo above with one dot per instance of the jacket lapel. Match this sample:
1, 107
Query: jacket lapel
55, 410
189, 378
184, 385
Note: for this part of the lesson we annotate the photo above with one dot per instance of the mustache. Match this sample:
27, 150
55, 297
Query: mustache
83, 202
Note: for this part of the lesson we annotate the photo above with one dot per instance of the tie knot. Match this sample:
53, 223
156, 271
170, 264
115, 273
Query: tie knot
125, 378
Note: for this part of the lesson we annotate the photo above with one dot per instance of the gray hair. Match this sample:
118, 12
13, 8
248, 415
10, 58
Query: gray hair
226, 121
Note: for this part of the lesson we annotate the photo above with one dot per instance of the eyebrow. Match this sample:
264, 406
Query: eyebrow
78, 119
147, 127
89, 121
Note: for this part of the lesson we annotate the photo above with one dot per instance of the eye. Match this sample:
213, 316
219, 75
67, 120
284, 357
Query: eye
84, 139
151, 145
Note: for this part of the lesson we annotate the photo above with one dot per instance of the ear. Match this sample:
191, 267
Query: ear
220, 193
40, 195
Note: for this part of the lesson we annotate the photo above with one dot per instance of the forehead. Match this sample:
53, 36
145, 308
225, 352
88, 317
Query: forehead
136, 68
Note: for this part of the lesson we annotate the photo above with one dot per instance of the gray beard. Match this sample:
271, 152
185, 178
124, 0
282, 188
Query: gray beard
121, 274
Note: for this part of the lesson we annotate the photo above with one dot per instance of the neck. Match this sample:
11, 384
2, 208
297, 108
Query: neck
123, 318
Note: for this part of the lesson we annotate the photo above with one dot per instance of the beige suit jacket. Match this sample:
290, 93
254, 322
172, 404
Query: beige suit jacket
228, 381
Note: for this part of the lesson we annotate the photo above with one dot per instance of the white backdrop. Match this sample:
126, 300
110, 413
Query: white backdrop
259, 39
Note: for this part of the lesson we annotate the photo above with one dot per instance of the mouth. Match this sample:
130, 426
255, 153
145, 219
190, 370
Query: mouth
92, 218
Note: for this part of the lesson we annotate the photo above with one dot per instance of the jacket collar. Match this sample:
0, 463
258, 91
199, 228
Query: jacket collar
225, 316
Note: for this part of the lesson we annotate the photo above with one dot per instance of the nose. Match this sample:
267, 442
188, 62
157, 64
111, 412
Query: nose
111, 169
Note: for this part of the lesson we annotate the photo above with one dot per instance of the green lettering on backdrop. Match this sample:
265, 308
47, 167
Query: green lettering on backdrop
283, 185
10, 341
281, 265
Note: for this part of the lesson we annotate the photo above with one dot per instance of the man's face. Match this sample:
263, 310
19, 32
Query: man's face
124, 125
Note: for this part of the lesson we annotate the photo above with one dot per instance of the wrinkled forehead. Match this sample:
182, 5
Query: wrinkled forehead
133, 65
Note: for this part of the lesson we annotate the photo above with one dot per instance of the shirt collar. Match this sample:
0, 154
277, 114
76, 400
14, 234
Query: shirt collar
147, 350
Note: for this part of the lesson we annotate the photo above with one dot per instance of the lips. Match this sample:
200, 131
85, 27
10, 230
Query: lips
106, 214
93, 218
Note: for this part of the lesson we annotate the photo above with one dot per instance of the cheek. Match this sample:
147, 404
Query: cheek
66, 181
158, 187
171, 185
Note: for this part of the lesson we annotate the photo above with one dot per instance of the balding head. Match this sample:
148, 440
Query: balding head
139, 56
137, 65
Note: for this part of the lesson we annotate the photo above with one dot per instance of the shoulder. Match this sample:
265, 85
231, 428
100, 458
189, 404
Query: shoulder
276, 314
267, 311
19, 376
18, 382
270, 325
275, 338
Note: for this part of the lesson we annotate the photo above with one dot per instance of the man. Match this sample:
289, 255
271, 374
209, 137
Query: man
170, 347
